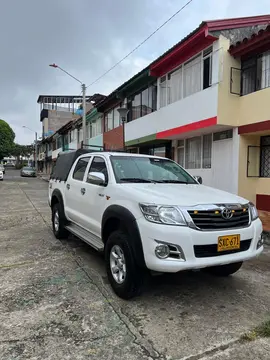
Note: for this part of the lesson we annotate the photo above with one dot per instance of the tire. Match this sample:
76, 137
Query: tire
59, 230
224, 270
133, 280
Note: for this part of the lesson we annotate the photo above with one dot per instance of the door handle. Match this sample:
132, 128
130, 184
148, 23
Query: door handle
83, 191
68, 186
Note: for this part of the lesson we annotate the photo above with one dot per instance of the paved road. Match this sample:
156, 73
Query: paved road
55, 301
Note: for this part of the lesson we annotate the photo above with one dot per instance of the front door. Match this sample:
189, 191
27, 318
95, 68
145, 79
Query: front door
223, 169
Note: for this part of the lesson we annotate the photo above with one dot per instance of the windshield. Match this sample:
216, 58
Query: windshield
28, 168
144, 169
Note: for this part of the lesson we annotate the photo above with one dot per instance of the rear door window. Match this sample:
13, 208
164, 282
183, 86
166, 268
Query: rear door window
79, 171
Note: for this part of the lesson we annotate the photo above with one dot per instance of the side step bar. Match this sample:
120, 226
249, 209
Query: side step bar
86, 236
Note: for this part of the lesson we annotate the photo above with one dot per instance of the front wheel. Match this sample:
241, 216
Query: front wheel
125, 277
224, 270
58, 222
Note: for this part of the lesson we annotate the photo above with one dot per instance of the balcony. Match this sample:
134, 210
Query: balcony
190, 110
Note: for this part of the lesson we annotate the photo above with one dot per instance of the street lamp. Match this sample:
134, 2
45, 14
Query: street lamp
123, 111
26, 127
84, 100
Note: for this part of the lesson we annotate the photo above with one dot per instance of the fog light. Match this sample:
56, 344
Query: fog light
260, 242
162, 251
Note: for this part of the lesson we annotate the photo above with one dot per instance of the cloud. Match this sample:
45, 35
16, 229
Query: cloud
87, 39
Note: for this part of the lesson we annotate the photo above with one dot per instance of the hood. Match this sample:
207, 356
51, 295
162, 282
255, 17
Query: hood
180, 194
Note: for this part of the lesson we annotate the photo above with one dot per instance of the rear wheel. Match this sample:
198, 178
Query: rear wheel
59, 222
125, 277
224, 270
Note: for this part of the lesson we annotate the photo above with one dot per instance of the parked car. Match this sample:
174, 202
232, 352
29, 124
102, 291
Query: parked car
1, 175
2, 168
28, 171
148, 214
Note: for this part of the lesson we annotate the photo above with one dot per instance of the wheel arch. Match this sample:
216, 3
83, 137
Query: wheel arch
118, 217
57, 198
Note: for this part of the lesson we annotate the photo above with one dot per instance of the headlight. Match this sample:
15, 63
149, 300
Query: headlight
169, 215
253, 211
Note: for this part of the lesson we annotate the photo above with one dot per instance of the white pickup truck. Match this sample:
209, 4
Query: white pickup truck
148, 213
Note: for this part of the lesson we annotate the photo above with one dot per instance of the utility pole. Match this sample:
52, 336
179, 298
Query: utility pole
84, 114
36, 157
26, 127
84, 99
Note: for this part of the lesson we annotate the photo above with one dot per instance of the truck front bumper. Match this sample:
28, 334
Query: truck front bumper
198, 248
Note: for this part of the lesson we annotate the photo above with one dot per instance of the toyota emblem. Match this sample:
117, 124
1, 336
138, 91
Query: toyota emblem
227, 214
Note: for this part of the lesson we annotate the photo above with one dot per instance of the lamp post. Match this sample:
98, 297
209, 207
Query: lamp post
84, 99
25, 127
123, 111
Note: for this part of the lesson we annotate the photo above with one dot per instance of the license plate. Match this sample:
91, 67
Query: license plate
229, 242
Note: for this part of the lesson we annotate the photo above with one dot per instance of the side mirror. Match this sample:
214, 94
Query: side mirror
198, 178
96, 178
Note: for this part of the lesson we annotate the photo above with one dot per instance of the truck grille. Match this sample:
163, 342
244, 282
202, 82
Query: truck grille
202, 251
214, 220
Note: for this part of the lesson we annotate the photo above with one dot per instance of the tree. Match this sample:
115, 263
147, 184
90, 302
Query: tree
20, 151
7, 137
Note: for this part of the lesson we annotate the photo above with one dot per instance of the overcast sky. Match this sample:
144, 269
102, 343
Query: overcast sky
86, 37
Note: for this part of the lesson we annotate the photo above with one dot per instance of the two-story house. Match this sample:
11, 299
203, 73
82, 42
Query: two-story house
204, 103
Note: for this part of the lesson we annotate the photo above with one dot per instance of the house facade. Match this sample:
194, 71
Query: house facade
204, 103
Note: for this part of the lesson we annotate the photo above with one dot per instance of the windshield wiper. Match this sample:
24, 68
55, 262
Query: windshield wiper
175, 182
138, 180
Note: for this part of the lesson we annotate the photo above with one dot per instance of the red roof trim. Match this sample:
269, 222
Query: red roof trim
187, 128
183, 52
225, 24
181, 45
249, 44
251, 128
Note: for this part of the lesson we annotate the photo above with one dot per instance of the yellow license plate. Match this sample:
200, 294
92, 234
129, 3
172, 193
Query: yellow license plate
229, 242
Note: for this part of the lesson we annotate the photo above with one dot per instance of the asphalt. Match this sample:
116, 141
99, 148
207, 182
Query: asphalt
56, 303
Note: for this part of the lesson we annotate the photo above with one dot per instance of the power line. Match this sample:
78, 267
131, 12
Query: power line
138, 46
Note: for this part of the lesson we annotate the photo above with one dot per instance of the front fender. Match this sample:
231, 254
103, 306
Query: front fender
129, 223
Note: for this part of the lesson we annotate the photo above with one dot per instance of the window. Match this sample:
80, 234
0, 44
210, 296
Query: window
116, 117
265, 156
255, 73
136, 107
207, 151
109, 120
163, 91
143, 169
59, 142
175, 86
112, 120
99, 165
193, 153
80, 168
99, 127
191, 77
223, 135
142, 103
265, 71
207, 68
181, 152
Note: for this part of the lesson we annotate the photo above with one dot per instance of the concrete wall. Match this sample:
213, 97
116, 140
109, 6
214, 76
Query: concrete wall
254, 107
57, 119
